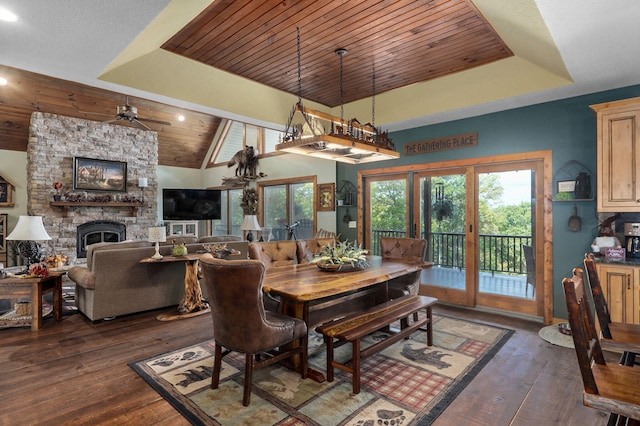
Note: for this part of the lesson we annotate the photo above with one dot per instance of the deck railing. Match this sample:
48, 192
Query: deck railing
498, 253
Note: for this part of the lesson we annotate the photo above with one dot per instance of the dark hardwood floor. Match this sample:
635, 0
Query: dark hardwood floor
76, 373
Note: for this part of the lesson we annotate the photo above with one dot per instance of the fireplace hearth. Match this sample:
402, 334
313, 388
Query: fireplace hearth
99, 231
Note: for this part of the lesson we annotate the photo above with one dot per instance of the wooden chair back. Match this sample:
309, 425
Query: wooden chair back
607, 387
599, 301
530, 263
583, 331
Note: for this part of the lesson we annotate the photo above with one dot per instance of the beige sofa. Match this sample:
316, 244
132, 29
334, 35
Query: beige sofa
114, 282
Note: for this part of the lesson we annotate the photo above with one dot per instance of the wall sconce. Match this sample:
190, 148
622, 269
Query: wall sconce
143, 182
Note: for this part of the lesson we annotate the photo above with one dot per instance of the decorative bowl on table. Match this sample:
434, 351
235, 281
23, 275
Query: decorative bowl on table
342, 257
220, 250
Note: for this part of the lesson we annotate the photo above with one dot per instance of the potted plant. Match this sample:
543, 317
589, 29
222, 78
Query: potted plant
344, 194
344, 256
58, 187
442, 208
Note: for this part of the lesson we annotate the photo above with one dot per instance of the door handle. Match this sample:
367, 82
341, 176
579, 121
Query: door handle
628, 281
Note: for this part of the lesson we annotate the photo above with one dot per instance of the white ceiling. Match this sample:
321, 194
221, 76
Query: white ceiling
77, 40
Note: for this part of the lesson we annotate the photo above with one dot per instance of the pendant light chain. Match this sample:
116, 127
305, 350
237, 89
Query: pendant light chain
341, 92
299, 70
373, 98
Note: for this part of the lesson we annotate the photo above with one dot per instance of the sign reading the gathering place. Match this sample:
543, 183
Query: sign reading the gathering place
441, 144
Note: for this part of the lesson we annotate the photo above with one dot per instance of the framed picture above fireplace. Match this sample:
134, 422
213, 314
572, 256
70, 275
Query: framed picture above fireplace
90, 174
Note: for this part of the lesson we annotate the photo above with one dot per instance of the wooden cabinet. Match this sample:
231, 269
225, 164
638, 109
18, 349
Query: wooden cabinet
3, 238
621, 287
618, 188
183, 228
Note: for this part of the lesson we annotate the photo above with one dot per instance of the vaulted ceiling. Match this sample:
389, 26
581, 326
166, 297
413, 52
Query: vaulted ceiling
434, 60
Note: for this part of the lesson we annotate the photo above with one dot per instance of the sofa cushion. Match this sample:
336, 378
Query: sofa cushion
92, 248
182, 239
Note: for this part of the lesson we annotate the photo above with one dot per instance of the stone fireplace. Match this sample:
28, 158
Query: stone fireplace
99, 231
54, 141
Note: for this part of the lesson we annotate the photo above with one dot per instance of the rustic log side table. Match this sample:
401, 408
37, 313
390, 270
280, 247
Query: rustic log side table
34, 288
192, 303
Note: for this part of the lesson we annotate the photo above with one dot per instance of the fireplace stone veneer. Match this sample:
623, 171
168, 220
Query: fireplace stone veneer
54, 141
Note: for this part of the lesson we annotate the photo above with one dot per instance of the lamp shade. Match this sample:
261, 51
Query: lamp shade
157, 234
29, 228
250, 223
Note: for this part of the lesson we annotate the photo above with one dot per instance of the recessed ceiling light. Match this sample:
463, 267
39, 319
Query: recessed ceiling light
3, 81
181, 117
7, 15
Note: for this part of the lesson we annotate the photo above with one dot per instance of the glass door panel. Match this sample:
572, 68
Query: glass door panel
388, 214
506, 224
302, 210
443, 223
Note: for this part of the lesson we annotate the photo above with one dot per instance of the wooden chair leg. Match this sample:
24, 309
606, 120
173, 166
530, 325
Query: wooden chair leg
248, 373
304, 355
217, 364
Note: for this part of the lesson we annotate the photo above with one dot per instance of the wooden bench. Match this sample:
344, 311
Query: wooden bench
354, 327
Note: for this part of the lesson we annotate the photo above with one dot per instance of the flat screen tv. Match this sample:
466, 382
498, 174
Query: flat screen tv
191, 204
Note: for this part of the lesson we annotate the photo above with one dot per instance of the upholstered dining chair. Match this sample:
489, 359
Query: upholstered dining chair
405, 249
614, 336
609, 387
409, 250
241, 324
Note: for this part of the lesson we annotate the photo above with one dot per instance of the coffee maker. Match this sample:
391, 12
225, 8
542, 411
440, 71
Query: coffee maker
632, 239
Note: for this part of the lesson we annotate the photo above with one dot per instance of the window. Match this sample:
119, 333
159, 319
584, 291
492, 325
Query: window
288, 202
237, 135
232, 214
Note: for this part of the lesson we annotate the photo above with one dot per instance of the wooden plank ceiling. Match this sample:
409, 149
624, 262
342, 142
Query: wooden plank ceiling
406, 41
181, 144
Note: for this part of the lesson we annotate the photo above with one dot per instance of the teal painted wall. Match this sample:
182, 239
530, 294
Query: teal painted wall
567, 127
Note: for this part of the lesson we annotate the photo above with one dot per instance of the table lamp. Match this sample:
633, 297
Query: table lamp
157, 234
250, 223
29, 230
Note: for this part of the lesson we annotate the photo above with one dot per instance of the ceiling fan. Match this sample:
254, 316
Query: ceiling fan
130, 113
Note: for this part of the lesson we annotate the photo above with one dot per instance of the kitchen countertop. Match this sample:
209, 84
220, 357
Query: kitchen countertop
631, 261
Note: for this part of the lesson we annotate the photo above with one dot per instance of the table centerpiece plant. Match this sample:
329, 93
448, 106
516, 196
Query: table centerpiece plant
343, 256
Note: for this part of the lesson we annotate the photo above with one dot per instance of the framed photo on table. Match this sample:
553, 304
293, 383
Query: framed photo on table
90, 174
326, 197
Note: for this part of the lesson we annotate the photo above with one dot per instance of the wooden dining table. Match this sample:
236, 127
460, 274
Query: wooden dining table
317, 296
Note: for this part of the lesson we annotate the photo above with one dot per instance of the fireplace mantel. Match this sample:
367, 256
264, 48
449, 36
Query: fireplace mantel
65, 205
